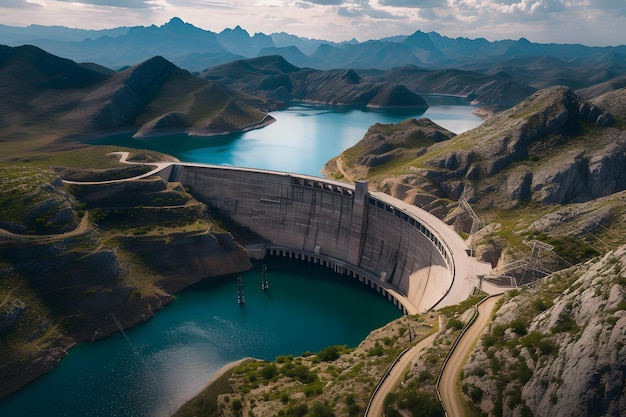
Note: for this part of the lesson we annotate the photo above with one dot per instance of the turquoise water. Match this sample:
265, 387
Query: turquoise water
172, 355
166, 360
302, 139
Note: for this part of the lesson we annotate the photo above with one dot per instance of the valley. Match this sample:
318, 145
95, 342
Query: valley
547, 165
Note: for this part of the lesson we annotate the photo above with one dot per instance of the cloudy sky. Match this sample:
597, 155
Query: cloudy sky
590, 22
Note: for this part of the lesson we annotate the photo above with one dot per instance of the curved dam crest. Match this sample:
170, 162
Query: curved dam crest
410, 256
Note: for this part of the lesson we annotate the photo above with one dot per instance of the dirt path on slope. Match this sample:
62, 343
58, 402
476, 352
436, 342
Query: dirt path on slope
80, 229
396, 373
448, 387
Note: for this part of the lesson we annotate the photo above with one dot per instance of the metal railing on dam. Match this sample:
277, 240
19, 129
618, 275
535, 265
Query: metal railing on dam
402, 251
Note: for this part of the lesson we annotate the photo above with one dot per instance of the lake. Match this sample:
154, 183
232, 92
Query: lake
303, 138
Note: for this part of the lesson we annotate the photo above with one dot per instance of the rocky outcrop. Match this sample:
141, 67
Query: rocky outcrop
553, 148
515, 134
383, 143
183, 259
75, 282
614, 101
557, 354
35, 202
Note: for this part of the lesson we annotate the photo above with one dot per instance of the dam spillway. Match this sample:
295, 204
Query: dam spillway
416, 260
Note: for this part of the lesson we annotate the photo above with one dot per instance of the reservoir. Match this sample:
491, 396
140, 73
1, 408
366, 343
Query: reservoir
156, 366
302, 139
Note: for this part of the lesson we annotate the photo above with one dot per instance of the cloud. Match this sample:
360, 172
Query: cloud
530, 6
127, 4
364, 10
610, 7
18, 4
201, 3
326, 2
418, 4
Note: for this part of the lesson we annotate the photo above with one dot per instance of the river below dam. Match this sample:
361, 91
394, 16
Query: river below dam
158, 365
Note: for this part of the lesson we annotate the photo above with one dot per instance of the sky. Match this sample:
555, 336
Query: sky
589, 22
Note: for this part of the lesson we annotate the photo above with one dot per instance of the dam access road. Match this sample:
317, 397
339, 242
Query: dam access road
408, 255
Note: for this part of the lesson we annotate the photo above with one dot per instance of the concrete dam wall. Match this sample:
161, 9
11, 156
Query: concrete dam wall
376, 238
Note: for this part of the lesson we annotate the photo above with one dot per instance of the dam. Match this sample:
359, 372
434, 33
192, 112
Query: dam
405, 253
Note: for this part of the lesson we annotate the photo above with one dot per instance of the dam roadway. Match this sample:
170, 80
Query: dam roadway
410, 256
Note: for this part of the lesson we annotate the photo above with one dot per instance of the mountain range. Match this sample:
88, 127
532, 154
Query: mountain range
46, 95
196, 49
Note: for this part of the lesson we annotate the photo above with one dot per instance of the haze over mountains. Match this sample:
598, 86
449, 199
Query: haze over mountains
197, 49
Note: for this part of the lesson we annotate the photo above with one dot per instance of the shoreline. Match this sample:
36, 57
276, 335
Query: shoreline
266, 121
224, 371
229, 367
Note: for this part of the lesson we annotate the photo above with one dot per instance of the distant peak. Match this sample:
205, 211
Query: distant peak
175, 21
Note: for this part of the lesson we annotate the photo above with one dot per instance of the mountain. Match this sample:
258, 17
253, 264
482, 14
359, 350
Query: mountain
239, 40
66, 99
551, 150
276, 79
16, 36
195, 49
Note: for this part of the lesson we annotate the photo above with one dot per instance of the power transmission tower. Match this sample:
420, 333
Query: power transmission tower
533, 266
529, 266
477, 224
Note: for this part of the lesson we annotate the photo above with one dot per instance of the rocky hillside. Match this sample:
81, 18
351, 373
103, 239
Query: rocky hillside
137, 243
34, 201
48, 97
548, 173
557, 350
552, 149
337, 381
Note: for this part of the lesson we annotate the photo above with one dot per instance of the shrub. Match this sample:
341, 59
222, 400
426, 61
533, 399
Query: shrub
329, 353
297, 411
377, 350
421, 404
321, 410
519, 327
455, 324
236, 404
268, 371
565, 323
301, 373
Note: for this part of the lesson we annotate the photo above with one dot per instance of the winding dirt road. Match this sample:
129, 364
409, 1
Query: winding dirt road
395, 374
448, 388
80, 229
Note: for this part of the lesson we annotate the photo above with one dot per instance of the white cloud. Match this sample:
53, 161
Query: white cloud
19, 4
418, 4
128, 4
